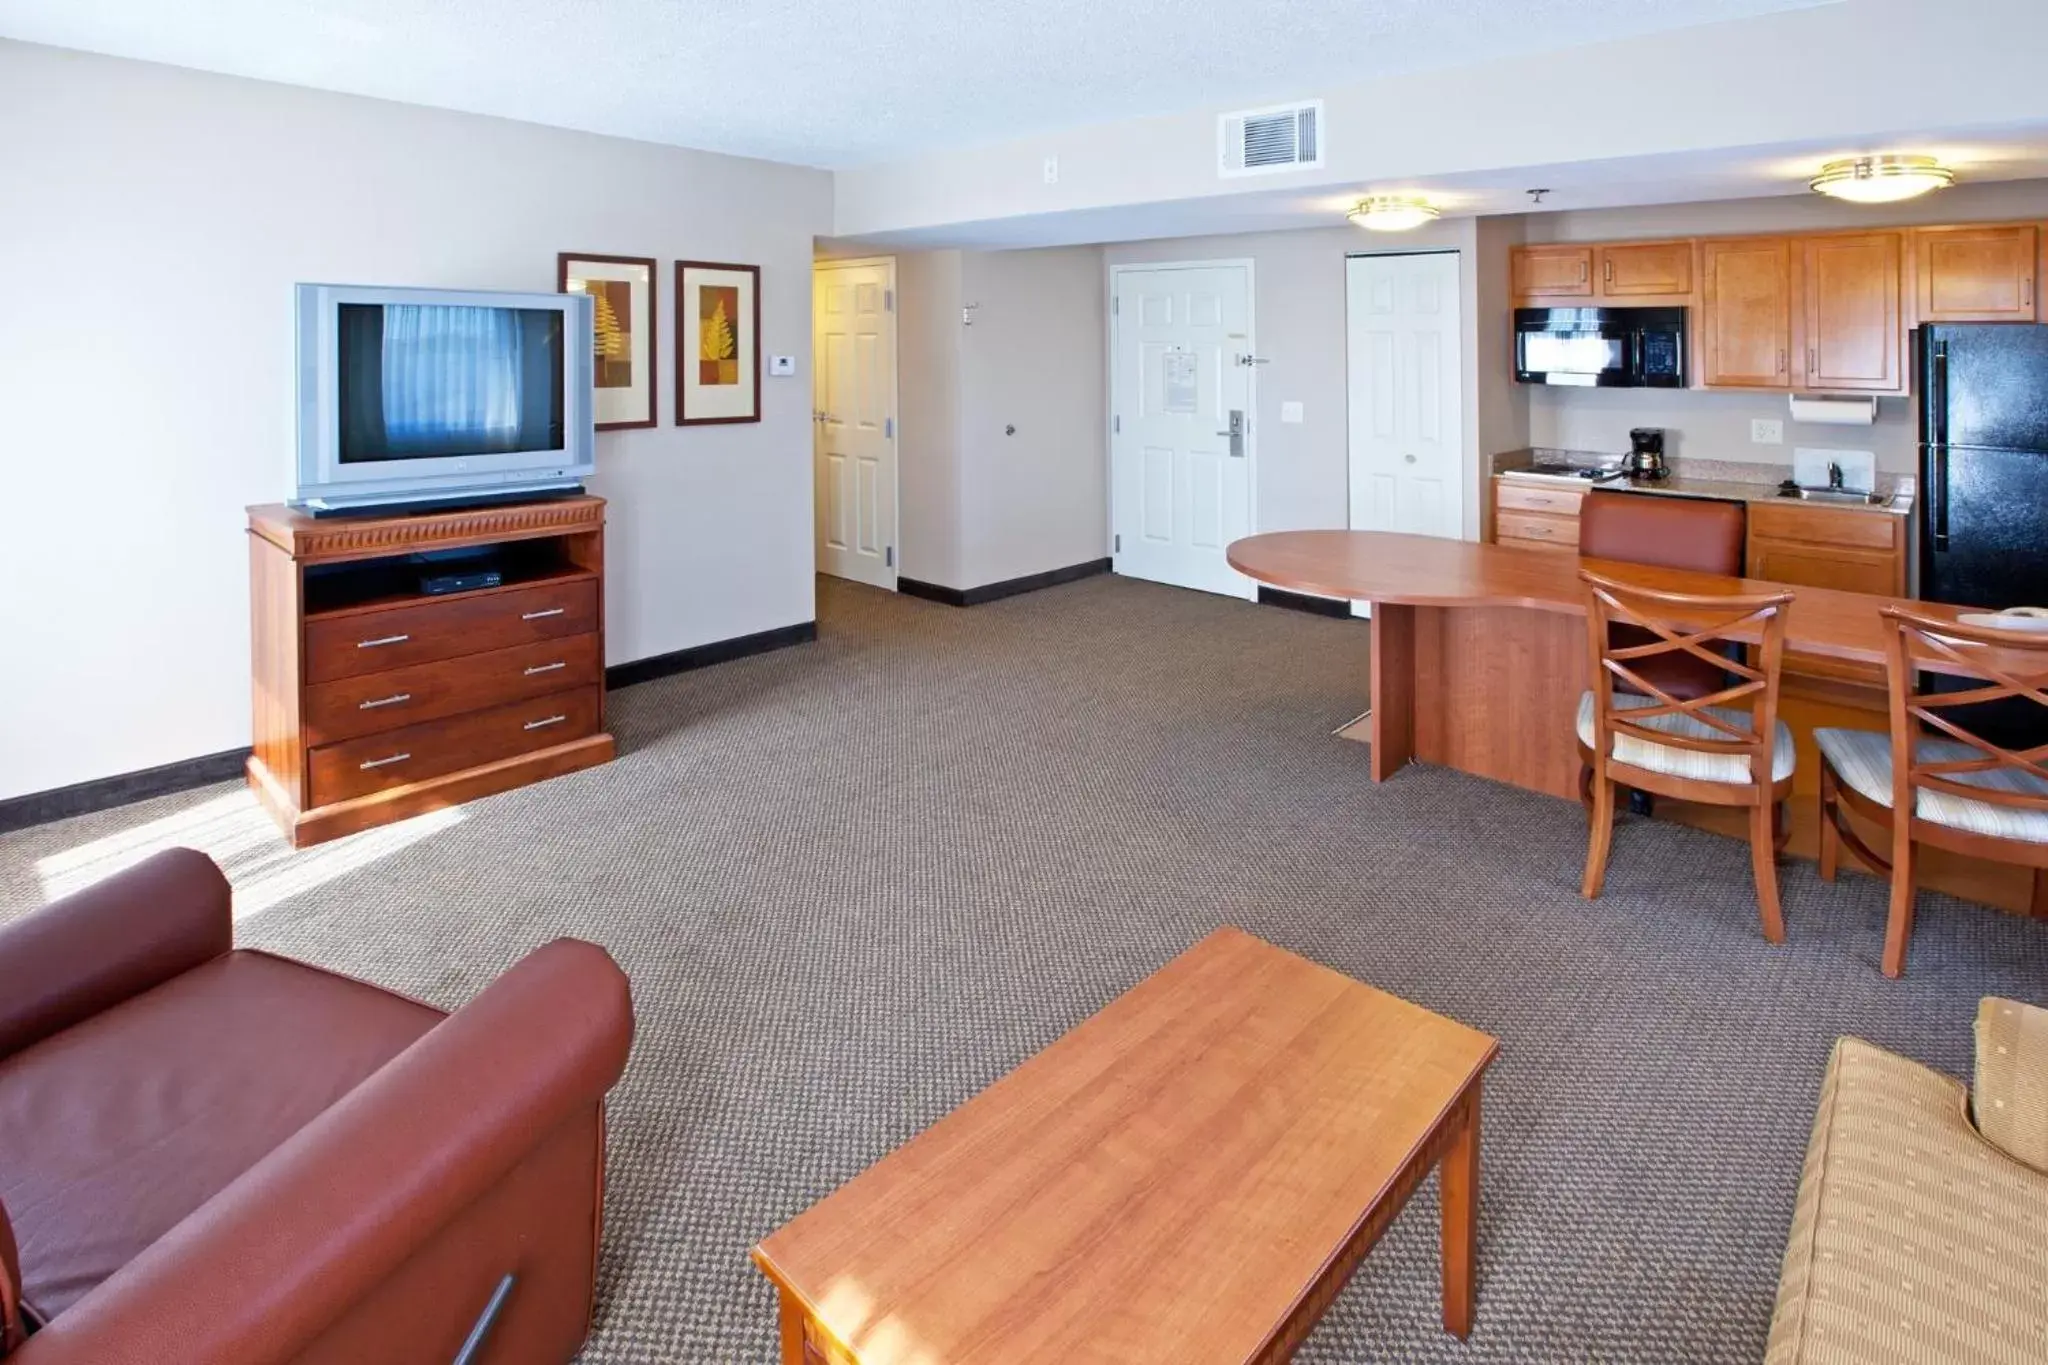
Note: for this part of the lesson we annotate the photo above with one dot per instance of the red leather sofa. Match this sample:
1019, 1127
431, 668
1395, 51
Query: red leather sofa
211, 1154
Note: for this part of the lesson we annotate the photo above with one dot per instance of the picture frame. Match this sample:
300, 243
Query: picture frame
627, 334
718, 310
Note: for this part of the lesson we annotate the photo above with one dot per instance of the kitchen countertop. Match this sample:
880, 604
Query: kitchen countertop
1728, 480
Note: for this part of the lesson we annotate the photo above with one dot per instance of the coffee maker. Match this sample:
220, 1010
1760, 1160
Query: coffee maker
1645, 458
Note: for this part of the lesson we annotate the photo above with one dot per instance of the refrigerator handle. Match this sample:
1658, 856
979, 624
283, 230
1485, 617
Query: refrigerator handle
1937, 490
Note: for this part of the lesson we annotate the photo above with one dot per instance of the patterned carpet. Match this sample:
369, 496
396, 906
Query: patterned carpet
856, 881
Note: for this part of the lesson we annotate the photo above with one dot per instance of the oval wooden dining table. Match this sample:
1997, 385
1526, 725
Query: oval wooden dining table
1479, 652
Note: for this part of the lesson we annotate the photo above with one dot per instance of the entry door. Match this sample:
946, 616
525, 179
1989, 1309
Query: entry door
853, 379
1179, 369
1406, 394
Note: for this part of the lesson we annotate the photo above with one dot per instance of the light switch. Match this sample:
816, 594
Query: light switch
1290, 412
782, 364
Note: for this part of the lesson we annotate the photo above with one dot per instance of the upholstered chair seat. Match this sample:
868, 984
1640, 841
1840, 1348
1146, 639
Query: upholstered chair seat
1688, 763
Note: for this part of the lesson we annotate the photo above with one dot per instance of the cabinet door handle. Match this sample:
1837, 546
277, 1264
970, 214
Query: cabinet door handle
1812, 361
383, 762
386, 640
544, 724
1610, 271
1781, 360
547, 668
392, 700
1585, 269
537, 615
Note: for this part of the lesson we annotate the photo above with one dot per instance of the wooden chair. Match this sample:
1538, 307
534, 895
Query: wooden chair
1965, 793
1634, 733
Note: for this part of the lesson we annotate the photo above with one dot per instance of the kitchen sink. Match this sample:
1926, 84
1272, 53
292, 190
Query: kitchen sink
1843, 495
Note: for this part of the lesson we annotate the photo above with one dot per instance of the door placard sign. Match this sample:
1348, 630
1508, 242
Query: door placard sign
1181, 385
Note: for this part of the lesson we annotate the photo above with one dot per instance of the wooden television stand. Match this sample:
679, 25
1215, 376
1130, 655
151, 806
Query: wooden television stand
374, 701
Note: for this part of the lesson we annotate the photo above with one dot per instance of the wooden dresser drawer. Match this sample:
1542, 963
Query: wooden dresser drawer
1522, 497
1869, 530
371, 702
357, 767
384, 638
1555, 532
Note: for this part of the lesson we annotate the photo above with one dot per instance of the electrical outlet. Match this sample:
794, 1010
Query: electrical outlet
1766, 431
1290, 412
782, 365
1052, 170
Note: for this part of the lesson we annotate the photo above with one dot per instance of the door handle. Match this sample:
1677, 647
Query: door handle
1235, 431
1409, 458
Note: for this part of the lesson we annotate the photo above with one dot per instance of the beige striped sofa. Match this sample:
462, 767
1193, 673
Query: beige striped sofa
1921, 1230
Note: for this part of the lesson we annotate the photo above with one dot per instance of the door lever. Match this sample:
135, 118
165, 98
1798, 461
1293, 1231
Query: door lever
1235, 431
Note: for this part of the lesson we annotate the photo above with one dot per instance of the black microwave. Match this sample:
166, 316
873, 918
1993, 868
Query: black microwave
1607, 348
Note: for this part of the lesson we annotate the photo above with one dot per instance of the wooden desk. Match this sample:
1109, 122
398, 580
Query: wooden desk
1189, 1176
1479, 657
1496, 637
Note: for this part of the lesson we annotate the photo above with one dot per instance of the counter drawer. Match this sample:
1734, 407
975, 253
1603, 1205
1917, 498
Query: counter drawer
1849, 526
1522, 497
1558, 532
371, 702
353, 643
373, 763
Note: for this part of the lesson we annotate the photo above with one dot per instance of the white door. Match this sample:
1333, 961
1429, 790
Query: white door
1404, 334
1180, 374
853, 379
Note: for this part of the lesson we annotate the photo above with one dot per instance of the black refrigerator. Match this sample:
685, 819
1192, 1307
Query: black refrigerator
1983, 396
1984, 490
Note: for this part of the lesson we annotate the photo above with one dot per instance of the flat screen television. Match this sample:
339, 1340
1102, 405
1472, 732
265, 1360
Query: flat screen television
440, 396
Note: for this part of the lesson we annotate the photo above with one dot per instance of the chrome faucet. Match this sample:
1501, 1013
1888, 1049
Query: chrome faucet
1834, 474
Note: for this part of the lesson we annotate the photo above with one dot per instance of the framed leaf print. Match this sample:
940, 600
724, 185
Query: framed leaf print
718, 343
624, 336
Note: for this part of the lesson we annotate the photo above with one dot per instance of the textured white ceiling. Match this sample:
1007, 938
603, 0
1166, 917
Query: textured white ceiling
837, 82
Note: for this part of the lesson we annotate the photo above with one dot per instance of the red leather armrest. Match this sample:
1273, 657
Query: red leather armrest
10, 1286
256, 1273
92, 949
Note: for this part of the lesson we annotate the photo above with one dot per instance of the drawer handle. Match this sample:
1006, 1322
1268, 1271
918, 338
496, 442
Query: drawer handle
383, 762
547, 668
537, 615
383, 701
387, 640
544, 724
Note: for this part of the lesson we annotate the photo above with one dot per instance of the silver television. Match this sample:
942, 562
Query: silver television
440, 396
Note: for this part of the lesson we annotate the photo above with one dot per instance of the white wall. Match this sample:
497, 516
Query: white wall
1035, 359
1851, 76
155, 222
980, 505
928, 473
1303, 470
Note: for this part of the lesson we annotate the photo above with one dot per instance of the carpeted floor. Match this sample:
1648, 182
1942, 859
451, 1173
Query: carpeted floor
856, 881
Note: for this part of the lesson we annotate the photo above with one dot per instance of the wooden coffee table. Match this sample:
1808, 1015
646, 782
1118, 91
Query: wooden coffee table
1189, 1176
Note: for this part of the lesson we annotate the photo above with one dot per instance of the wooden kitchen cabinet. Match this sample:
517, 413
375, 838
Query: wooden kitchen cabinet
1975, 274
1850, 287
1636, 270
1531, 517
1745, 328
1849, 549
1553, 272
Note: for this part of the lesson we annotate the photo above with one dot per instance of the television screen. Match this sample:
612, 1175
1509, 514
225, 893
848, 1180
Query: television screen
422, 381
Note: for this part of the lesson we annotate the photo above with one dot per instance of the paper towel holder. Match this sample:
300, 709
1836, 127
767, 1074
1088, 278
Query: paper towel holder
1836, 412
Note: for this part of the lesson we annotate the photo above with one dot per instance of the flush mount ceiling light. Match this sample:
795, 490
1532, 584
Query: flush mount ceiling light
1393, 212
1881, 179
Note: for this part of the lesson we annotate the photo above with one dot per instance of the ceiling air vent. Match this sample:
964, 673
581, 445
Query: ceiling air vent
1283, 138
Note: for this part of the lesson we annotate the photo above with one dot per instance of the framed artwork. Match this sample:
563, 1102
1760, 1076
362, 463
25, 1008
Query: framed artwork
624, 338
718, 343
